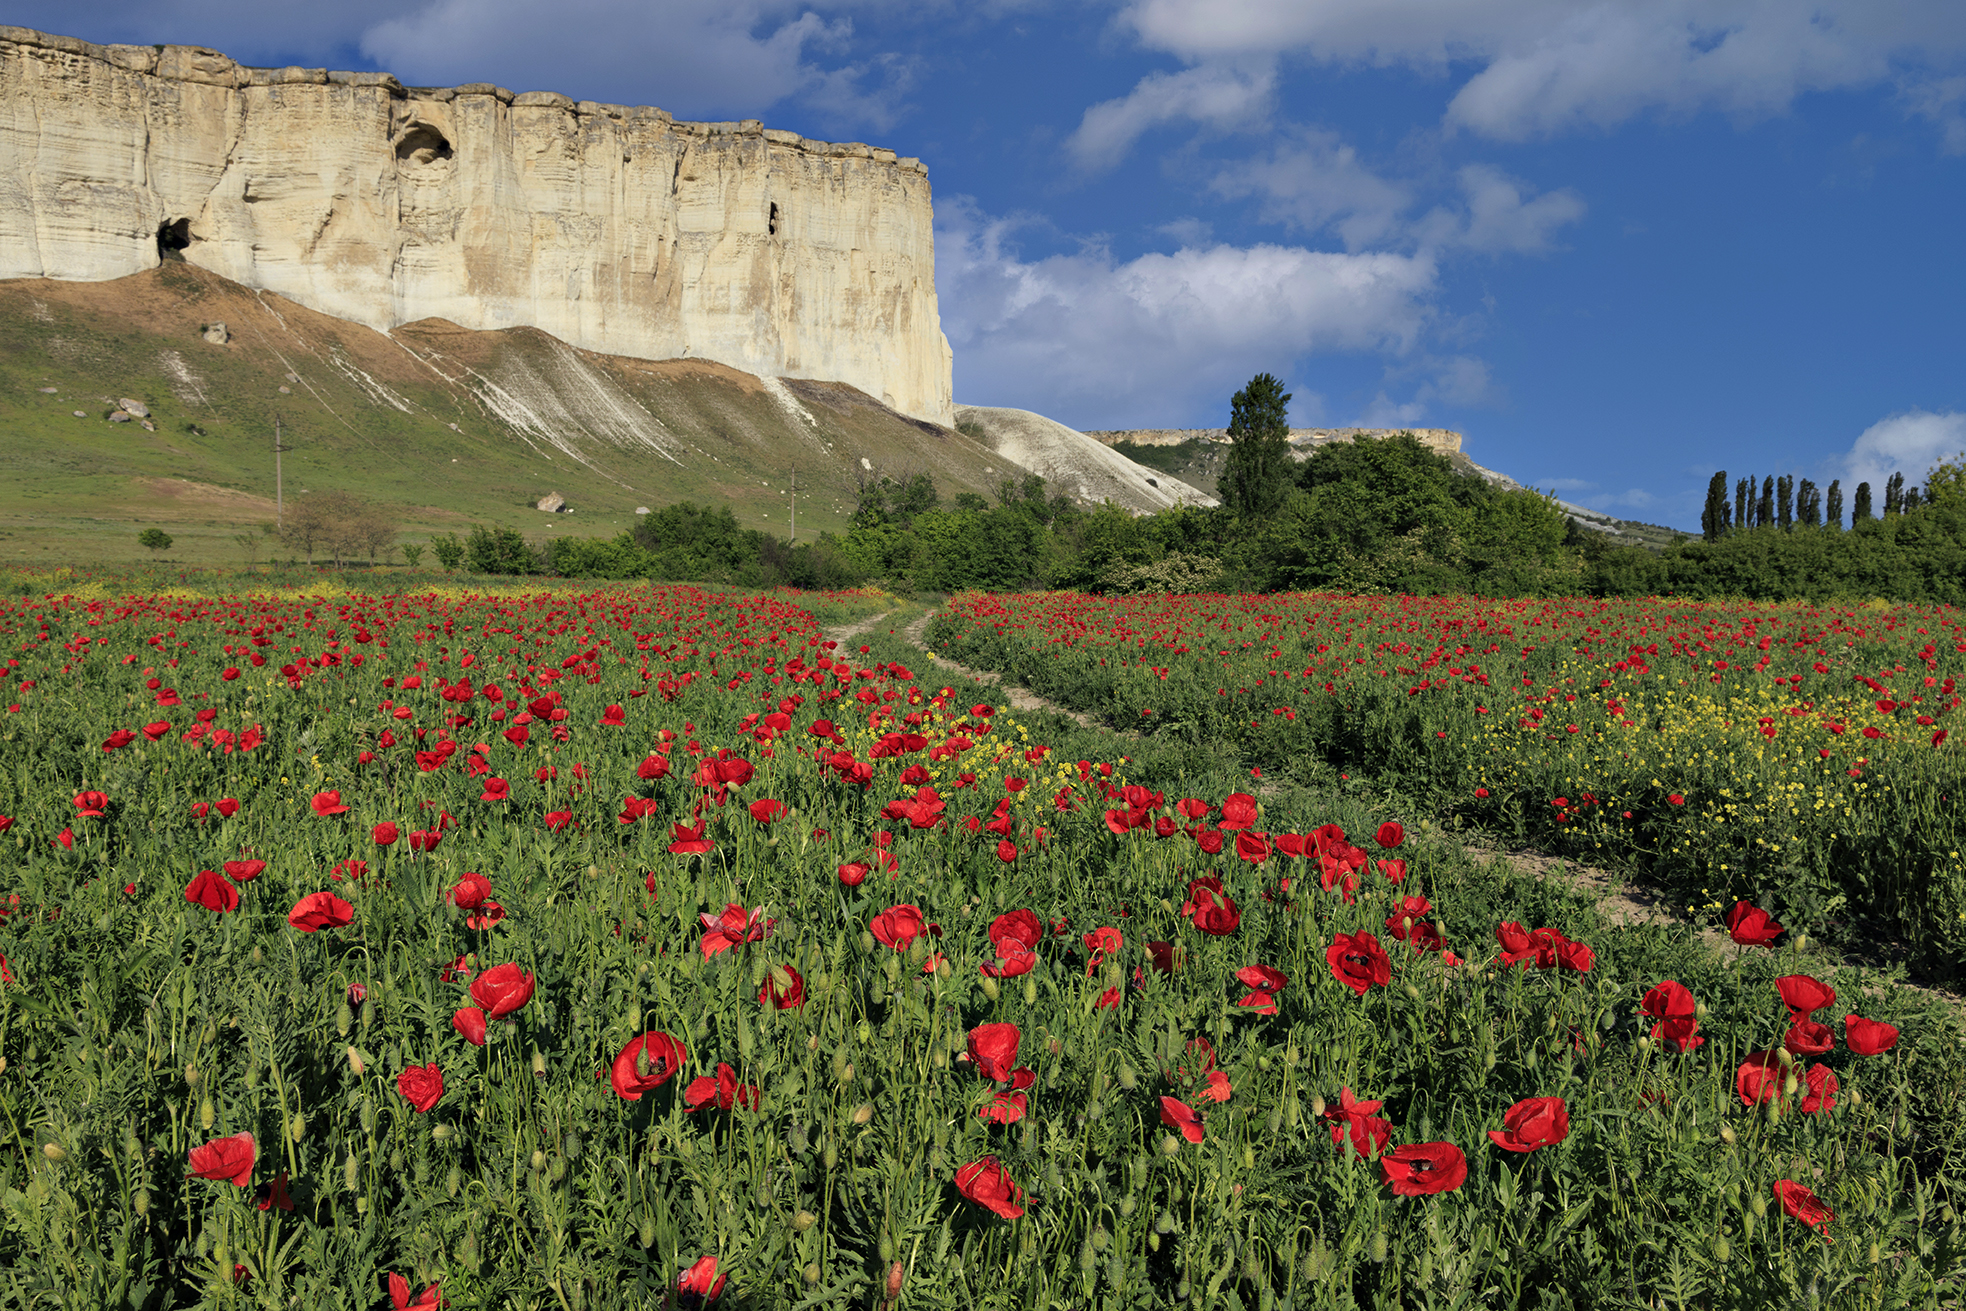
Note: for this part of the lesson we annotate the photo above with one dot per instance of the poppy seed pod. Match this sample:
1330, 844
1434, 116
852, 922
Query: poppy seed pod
206, 1113
863, 1113
54, 1151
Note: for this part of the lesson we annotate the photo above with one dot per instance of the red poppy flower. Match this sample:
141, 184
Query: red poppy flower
1804, 995
1390, 834
156, 731
212, 892
485, 916
1759, 1078
701, 1279
1820, 1086
1238, 812
328, 803
320, 910
653, 769
1208, 840
1252, 847
645, 1064
1358, 961
557, 820
1264, 983
1164, 958
689, 841
421, 1086
116, 741
399, 1296
91, 805
385, 834
766, 811
1868, 1037
898, 926
227, 807
1419, 1169
1181, 1117
225, 1160
1021, 925
988, 1184
273, 1196
471, 891
1108, 1000
784, 988
733, 928
1672, 1005
1394, 870
852, 874
502, 989
1574, 956
1190, 808
1004, 1108
1751, 926
1808, 1038
723, 1091
496, 789
613, 716
1803, 1205
993, 1049
1209, 908
1531, 1123
1014, 959
425, 840
470, 1025
244, 871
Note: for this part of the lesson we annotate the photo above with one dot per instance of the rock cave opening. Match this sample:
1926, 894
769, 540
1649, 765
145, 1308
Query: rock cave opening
423, 144
173, 236
771, 222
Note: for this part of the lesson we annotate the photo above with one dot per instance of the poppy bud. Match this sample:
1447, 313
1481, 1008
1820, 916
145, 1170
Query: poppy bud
1128, 1079
1727, 1134
989, 987
866, 941
892, 968
455, 1179
1153, 1242
54, 1151
297, 1128
344, 1018
1030, 991
206, 1113
863, 1112
1790, 1084
647, 1231
1252, 1266
831, 1155
395, 1160
1275, 1121
351, 1172
1088, 1259
1171, 1145
367, 1016
944, 970
812, 1272
887, 1247
1876, 1254
894, 1274
439, 1133
804, 1220
1377, 1248
1290, 1113
538, 1159
1802, 942
1722, 1249
539, 1064
191, 1077
259, 957
846, 1075
368, 1115
141, 1202
1758, 1205
355, 1062
1644, 1045
812, 1043
1413, 994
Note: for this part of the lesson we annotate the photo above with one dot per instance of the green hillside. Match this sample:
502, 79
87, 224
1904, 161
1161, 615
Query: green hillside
446, 427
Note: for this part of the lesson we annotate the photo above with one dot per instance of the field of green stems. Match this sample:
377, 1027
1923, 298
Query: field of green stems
1798, 755
643, 947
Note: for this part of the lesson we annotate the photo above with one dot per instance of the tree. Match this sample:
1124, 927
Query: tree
1946, 481
154, 538
448, 550
1744, 503
1860, 505
1254, 479
1894, 494
1808, 503
1713, 519
1764, 511
1833, 510
412, 554
1785, 501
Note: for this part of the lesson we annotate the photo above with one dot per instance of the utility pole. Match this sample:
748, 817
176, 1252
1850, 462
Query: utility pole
795, 503
279, 485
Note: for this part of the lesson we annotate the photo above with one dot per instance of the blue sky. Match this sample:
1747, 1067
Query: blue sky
1617, 244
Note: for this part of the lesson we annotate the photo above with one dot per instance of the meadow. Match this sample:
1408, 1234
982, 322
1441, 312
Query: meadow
1802, 755
571, 948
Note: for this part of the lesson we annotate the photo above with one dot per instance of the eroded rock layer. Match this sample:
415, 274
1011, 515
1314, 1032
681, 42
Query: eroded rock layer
613, 228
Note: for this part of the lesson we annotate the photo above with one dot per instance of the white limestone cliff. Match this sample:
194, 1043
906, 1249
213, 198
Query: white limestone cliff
613, 228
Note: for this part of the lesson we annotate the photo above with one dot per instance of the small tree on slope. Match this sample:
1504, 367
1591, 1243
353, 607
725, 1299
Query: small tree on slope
1255, 479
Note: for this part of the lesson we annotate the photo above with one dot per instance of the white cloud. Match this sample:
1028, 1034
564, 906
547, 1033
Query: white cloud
1564, 484
1100, 343
1943, 101
1499, 219
1909, 443
1313, 179
1549, 66
1224, 96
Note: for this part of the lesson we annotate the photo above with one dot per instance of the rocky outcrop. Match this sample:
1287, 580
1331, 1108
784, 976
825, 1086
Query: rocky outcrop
614, 228
1443, 440
1072, 463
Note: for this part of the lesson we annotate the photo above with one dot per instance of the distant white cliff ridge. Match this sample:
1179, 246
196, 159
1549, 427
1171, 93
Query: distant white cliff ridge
613, 228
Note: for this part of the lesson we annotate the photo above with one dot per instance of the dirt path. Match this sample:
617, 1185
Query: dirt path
844, 635
1019, 698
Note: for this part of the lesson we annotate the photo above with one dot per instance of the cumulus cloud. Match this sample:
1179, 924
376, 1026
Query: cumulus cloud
1909, 443
1496, 214
1943, 102
1549, 66
1219, 95
1311, 180
1098, 342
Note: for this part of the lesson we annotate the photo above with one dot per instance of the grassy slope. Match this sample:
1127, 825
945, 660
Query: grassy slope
448, 427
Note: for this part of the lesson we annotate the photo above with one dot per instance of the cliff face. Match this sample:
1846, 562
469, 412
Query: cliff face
615, 229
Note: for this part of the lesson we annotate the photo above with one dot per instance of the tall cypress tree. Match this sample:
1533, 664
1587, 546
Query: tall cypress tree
1764, 513
1713, 519
1833, 511
1808, 504
1860, 505
1255, 478
1894, 493
1744, 503
1785, 500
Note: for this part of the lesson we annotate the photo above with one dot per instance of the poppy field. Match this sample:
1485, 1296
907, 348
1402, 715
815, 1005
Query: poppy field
643, 947
1800, 755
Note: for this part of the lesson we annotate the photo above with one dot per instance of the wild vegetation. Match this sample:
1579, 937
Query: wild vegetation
597, 948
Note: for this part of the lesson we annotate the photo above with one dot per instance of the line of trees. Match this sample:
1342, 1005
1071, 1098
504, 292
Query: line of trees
1783, 502
340, 525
